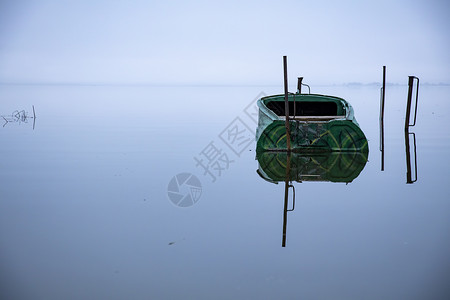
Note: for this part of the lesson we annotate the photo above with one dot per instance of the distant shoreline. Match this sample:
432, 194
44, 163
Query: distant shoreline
348, 84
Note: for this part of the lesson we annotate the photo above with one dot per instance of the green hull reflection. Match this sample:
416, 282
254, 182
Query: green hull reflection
325, 166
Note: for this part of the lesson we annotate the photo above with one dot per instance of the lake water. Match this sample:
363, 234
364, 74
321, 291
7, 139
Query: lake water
93, 205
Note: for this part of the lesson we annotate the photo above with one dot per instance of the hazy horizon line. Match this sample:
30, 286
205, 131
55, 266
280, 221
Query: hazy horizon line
199, 84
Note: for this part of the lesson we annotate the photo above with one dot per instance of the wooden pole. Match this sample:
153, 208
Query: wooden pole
408, 101
286, 105
383, 93
299, 85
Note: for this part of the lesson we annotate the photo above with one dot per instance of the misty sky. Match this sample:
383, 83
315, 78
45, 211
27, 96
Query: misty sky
223, 42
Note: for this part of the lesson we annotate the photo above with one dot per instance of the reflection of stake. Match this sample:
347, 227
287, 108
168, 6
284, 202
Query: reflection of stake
409, 177
286, 196
34, 117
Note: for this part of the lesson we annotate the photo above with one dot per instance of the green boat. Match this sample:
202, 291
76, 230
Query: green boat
317, 123
307, 137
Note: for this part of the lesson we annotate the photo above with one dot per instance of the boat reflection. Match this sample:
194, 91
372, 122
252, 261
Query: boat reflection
289, 167
323, 166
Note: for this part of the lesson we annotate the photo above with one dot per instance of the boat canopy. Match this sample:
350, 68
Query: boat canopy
307, 105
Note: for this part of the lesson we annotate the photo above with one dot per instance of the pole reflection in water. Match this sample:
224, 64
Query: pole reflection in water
411, 172
288, 167
287, 184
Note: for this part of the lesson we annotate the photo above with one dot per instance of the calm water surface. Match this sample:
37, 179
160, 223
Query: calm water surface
85, 211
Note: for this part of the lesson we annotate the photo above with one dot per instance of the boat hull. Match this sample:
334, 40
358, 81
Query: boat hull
335, 135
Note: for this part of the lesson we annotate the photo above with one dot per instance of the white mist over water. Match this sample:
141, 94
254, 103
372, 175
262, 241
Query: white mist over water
233, 42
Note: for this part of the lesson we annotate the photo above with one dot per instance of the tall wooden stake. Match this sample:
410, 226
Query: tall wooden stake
286, 105
383, 93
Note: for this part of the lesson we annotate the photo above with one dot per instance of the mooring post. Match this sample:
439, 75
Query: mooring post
383, 93
408, 102
299, 85
286, 105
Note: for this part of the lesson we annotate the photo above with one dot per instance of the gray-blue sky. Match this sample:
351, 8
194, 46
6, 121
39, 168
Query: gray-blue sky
224, 42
